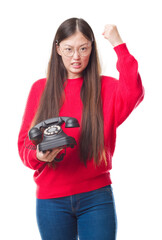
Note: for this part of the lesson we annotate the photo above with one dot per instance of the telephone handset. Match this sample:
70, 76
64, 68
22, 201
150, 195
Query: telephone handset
48, 134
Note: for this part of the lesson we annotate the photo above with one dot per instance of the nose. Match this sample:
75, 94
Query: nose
76, 55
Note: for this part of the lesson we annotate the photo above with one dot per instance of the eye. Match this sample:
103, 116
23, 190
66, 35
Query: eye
83, 49
68, 49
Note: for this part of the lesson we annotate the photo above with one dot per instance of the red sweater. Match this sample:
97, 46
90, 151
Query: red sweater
70, 176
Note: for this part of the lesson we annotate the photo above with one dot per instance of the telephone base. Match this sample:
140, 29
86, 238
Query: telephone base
68, 142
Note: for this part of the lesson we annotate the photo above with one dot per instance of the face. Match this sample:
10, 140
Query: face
75, 52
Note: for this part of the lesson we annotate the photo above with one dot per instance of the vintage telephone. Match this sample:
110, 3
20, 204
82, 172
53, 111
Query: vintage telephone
48, 134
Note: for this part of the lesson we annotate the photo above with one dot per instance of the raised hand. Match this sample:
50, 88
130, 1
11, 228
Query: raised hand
112, 35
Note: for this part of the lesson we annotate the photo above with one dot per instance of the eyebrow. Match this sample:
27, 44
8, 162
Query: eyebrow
79, 46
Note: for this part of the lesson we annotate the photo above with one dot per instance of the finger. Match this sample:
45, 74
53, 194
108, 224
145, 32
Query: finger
55, 150
44, 154
53, 154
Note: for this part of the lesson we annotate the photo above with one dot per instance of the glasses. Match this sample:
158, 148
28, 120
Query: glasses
82, 51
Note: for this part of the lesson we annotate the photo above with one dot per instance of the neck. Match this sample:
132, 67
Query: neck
73, 76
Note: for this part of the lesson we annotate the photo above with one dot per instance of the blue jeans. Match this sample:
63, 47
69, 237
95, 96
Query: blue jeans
85, 216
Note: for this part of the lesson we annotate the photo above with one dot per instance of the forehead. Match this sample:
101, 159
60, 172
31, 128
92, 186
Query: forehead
77, 39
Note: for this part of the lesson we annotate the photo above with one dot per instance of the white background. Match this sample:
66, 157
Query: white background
27, 31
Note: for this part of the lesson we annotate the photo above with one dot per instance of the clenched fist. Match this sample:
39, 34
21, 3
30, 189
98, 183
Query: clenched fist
111, 33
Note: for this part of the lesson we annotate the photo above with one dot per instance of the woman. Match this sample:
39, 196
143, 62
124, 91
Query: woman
74, 196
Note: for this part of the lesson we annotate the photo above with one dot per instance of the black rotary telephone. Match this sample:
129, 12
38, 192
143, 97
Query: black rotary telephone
48, 134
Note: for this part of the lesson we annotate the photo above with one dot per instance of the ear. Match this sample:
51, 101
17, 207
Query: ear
58, 50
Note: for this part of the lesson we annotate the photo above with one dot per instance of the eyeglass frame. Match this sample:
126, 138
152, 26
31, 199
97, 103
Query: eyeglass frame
73, 52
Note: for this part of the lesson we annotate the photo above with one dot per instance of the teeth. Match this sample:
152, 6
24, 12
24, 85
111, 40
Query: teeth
76, 64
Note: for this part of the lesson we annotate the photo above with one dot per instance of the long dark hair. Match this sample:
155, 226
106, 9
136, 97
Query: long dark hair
91, 140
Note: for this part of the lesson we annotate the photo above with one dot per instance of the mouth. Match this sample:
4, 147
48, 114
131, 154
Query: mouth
76, 64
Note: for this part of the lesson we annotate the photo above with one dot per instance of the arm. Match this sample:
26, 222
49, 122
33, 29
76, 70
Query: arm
130, 91
28, 156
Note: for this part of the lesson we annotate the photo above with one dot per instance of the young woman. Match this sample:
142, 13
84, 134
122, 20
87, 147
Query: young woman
74, 196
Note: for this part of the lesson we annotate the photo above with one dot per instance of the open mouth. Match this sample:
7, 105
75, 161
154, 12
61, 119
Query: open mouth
76, 64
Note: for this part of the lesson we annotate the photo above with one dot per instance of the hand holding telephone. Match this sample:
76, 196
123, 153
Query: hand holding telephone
48, 134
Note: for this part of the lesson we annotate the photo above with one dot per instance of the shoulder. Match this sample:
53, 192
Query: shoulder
108, 86
39, 84
37, 89
108, 82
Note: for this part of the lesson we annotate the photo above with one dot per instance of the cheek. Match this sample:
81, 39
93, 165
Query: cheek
65, 62
85, 61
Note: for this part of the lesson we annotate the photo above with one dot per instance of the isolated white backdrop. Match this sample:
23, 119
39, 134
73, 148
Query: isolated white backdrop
27, 32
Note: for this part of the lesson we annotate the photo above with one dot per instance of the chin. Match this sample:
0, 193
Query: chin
75, 73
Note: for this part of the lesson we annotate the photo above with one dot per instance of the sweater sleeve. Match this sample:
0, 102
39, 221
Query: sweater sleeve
28, 155
130, 91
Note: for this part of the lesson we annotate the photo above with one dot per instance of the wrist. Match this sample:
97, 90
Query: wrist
118, 42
